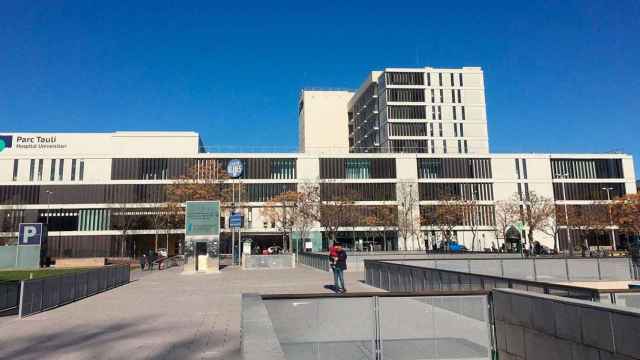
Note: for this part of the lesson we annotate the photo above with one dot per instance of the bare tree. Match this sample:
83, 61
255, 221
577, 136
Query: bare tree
336, 214
536, 212
407, 212
506, 213
124, 219
469, 208
202, 182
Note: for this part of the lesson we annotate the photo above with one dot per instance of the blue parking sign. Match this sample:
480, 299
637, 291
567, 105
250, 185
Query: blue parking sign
30, 234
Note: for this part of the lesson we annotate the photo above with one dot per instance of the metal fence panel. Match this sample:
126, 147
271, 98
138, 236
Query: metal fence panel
615, 269
518, 269
9, 295
50, 292
263, 262
324, 328
583, 269
551, 269
434, 327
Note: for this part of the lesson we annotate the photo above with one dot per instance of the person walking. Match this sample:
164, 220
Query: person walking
143, 260
333, 253
340, 268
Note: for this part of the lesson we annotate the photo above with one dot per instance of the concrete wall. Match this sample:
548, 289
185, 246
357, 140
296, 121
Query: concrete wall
534, 326
323, 122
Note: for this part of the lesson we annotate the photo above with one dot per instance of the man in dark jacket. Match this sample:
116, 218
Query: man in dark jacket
340, 266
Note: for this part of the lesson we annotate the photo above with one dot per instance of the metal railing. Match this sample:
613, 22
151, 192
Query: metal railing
536, 269
407, 278
9, 297
367, 326
317, 261
43, 294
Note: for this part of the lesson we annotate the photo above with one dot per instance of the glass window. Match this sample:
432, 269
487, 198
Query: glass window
518, 168
433, 112
73, 170
453, 96
455, 115
461, 130
459, 147
40, 166
455, 129
440, 129
358, 169
433, 95
431, 129
440, 78
16, 163
439, 112
61, 170
52, 176
444, 146
452, 84
81, 172
441, 95
32, 168
428, 79
466, 147
462, 110
459, 96
460, 78
524, 168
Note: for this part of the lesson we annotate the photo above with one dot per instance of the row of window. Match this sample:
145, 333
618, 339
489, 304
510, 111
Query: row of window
406, 112
119, 193
358, 192
417, 78
56, 170
337, 168
477, 215
587, 168
445, 168
588, 191
459, 191
412, 146
162, 168
405, 95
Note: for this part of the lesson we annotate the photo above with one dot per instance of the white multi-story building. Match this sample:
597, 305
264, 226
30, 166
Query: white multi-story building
420, 110
83, 185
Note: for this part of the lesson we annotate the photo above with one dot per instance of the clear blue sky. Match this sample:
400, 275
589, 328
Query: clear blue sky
559, 76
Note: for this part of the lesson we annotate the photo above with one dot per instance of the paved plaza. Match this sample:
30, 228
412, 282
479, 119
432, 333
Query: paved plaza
159, 315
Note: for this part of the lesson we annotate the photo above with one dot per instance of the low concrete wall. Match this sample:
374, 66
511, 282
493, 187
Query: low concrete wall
268, 262
80, 262
535, 326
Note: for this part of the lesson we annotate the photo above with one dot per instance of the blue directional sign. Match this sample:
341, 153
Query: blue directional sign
235, 220
30, 234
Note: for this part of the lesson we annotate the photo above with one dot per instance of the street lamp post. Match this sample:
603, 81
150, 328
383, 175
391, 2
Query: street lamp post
613, 233
49, 192
566, 213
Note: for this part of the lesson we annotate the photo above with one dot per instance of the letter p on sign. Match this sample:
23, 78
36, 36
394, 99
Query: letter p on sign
30, 234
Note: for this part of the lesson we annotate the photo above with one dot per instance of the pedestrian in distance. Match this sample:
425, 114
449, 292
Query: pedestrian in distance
341, 267
151, 259
143, 260
634, 251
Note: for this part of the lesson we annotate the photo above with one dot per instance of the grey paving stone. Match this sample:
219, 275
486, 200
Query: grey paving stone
161, 315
